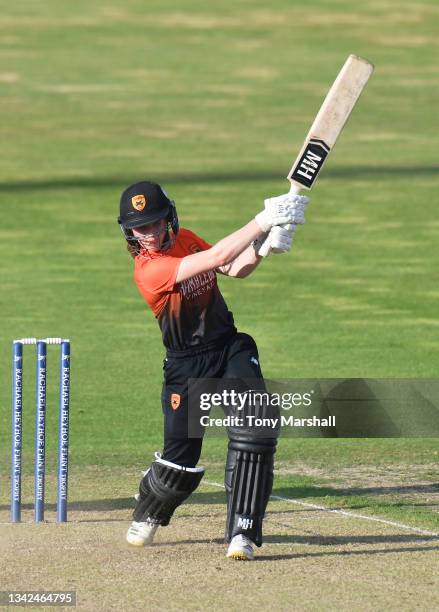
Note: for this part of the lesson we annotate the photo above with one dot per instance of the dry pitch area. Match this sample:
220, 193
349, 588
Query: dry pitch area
312, 560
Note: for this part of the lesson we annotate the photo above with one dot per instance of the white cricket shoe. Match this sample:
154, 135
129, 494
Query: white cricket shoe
141, 534
240, 548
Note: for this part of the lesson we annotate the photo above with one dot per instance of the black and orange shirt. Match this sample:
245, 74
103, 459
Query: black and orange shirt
192, 313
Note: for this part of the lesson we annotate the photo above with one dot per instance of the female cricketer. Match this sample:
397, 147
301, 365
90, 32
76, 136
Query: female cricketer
176, 273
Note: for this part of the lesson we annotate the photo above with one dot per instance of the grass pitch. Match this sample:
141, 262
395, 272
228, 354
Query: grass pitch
214, 102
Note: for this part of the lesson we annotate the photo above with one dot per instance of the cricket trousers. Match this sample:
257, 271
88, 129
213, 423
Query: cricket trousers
237, 358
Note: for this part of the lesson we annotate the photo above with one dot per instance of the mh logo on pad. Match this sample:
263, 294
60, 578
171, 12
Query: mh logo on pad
307, 168
245, 523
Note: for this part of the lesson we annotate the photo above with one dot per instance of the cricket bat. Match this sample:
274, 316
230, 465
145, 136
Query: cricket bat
328, 124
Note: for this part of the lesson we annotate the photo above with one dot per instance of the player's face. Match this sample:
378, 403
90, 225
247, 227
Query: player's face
151, 236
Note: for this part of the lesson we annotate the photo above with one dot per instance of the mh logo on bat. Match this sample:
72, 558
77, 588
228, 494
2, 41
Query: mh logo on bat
307, 168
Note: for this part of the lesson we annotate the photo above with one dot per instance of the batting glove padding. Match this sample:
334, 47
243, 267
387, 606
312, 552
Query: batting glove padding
286, 208
279, 240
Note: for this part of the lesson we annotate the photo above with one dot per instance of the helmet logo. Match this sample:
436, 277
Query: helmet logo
175, 401
138, 202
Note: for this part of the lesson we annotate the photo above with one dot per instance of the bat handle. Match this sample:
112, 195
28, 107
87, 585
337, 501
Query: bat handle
295, 188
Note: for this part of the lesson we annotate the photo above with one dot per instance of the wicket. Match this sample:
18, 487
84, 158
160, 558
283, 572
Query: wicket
40, 427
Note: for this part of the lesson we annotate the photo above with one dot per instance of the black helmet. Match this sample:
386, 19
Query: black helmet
144, 203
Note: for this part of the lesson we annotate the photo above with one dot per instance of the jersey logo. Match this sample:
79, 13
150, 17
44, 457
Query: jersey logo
138, 202
194, 248
175, 401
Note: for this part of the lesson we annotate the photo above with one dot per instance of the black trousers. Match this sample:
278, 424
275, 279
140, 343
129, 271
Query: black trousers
238, 358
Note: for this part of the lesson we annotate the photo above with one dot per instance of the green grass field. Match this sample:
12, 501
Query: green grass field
214, 101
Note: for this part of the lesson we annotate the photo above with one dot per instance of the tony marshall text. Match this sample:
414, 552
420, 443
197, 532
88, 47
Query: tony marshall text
253, 421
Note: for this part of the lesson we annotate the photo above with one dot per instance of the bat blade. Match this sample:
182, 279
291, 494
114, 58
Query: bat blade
327, 126
329, 122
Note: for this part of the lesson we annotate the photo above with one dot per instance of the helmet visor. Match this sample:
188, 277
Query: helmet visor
140, 220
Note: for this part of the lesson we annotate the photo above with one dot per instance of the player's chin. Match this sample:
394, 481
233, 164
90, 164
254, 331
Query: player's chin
150, 245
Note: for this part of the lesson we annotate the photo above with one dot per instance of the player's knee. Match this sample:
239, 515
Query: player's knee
185, 452
164, 487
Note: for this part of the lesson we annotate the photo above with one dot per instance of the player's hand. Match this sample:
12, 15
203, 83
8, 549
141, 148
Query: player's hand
281, 238
278, 240
287, 208
296, 204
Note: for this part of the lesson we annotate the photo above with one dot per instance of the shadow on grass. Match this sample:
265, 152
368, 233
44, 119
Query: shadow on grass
92, 505
319, 540
315, 491
219, 497
347, 553
192, 541
122, 503
119, 182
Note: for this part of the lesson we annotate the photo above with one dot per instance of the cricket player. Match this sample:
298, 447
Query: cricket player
176, 273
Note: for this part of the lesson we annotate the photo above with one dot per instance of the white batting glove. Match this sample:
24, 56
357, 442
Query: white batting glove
278, 240
281, 238
259, 242
283, 209
296, 203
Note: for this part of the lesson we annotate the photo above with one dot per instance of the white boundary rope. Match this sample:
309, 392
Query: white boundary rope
341, 512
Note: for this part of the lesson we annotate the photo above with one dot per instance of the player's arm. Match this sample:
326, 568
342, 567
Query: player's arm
220, 254
278, 211
278, 240
245, 263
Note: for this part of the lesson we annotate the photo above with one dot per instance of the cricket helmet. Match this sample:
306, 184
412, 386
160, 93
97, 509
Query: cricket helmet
143, 203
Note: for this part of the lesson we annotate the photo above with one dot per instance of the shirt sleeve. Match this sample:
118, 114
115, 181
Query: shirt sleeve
157, 276
203, 244
193, 239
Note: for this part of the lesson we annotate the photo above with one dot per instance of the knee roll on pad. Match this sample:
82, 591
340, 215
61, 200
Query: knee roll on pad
248, 481
164, 487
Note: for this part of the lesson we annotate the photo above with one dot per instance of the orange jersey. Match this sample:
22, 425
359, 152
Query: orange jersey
192, 313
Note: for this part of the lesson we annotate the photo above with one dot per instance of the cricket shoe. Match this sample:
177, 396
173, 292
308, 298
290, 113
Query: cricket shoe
141, 534
240, 548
